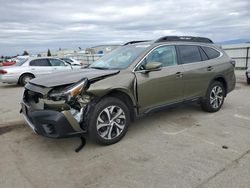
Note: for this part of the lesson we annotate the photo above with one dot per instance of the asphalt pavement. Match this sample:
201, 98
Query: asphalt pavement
180, 147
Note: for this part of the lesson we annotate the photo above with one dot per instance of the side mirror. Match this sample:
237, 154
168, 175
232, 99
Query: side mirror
153, 66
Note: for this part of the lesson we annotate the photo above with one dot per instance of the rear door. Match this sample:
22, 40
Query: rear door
197, 71
158, 88
40, 67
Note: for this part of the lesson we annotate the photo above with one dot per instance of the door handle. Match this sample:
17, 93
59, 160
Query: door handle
179, 75
210, 68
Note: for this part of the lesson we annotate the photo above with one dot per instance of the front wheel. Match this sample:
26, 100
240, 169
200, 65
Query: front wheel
25, 78
248, 81
214, 98
109, 121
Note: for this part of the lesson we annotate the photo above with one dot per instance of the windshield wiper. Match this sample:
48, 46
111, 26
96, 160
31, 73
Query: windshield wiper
100, 68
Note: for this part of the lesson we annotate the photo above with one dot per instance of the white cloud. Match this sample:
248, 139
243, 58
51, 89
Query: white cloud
42, 24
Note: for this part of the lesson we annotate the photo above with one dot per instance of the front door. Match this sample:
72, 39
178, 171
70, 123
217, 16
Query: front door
162, 87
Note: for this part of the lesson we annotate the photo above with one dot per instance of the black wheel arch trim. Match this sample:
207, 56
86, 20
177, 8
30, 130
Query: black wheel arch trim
223, 80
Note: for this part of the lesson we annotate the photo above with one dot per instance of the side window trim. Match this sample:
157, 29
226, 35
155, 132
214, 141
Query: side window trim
48, 62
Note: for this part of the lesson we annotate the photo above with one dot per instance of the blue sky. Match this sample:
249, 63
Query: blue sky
38, 25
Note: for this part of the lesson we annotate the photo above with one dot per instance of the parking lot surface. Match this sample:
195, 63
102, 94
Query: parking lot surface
180, 147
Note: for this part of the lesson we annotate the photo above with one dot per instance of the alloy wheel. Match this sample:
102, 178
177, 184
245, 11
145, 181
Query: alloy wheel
216, 97
111, 122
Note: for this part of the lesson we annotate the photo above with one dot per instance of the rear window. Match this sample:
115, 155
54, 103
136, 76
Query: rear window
189, 54
211, 53
39, 62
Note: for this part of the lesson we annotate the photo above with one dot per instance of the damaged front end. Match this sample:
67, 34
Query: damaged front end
57, 112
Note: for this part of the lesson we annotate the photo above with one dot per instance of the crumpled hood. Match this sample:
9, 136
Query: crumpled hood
69, 77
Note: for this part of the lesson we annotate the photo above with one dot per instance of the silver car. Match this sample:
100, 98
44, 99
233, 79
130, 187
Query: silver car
248, 75
30, 68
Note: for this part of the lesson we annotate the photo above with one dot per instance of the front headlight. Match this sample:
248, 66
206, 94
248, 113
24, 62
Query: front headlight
69, 92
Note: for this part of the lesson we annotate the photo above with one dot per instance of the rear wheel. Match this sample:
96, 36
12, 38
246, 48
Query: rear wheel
214, 98
109, 121
25, 78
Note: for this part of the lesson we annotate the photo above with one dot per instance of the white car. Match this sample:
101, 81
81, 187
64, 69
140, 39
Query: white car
248, 75
30, 68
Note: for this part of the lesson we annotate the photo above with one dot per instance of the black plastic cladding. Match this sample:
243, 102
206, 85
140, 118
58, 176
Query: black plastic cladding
184, 39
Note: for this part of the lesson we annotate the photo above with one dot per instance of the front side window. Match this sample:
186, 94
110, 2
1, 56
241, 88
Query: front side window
166, 55
39, 62
56, 62
189, 54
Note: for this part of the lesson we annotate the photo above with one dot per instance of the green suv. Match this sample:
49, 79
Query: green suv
133, 80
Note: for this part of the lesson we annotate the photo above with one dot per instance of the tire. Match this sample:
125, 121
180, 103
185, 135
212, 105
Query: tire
248, 81
104, 128
25, 78
214, 98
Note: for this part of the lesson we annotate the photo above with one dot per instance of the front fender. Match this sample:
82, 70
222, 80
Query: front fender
122, 82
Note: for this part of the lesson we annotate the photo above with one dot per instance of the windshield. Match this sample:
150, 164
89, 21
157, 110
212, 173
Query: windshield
21, 61
120, 58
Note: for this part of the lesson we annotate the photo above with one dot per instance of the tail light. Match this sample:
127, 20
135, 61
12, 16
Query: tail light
233, 62
3, 72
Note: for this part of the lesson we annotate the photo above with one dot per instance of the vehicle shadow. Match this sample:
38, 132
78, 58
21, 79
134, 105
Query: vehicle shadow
173, 119
170, 120
9, 86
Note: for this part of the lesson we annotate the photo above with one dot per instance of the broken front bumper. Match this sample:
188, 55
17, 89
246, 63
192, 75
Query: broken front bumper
51, 123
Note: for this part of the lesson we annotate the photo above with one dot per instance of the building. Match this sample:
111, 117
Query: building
103, 49
58, 53
87, 56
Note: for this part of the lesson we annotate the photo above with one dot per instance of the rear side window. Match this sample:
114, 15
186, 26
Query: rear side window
211, 53
189, 54
39, 62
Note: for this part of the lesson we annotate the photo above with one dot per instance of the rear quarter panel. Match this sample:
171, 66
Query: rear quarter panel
223, 68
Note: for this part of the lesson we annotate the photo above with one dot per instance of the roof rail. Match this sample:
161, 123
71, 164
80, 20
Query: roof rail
135, 41
184, 39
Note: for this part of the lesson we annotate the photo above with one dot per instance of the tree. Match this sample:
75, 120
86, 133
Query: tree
25, 52
48, 54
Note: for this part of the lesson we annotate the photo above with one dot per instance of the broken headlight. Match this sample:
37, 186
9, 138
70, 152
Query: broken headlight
69, 92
